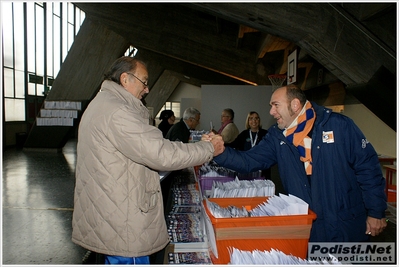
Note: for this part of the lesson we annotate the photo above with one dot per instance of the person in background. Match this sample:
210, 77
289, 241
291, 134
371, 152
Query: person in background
118, 204
181, 130
251, 136
228, 130
167, 118
324, 159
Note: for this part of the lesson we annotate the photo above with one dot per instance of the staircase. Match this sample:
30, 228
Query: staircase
54, 125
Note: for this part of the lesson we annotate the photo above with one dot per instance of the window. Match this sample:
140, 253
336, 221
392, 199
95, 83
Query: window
174, 106
48, 30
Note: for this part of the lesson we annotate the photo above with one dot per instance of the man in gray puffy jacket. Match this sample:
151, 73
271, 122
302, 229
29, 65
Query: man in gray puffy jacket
118, 206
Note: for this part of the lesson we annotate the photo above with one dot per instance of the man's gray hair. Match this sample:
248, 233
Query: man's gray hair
190, 113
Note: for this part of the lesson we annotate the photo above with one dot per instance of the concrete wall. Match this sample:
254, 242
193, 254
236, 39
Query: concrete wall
382, 137
241, 98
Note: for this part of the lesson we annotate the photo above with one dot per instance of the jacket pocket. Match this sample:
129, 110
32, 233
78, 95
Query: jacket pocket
352, 224
352, 212
149, 201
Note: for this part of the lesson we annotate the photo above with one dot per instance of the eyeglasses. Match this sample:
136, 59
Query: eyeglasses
195, 119
145, 84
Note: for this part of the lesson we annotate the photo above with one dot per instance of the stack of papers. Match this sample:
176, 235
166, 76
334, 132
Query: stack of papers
184, 218
272, 257
274, 206
281, 205
212, 169
196, 257
184, 228
242, 188
229, 212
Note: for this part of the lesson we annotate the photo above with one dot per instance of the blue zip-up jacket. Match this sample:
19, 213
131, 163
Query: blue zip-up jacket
346, 184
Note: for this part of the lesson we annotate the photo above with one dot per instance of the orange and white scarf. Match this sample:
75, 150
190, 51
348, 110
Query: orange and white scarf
297, 134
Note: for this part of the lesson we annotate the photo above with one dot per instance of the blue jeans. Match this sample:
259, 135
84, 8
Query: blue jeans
126, 260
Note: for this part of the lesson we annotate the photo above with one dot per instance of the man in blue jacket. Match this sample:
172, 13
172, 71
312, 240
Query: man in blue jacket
324, 159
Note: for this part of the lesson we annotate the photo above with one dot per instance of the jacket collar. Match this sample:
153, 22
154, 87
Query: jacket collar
121, 92
322, 113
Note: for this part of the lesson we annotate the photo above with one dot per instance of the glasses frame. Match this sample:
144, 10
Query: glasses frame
145, 84
253, 118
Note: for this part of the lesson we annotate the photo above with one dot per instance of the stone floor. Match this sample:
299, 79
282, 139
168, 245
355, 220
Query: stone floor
38, 190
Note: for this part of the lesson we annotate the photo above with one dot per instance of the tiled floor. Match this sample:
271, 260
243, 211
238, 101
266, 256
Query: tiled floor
37, 203
38, 192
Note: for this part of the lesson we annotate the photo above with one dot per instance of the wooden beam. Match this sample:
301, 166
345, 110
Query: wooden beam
245, 29
271, 43
307, 66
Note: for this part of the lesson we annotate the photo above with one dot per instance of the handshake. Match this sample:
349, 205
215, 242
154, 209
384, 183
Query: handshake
216, 140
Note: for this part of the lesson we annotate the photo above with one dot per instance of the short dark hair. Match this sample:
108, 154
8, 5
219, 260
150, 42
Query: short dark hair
166, 114
293, 91
121, 65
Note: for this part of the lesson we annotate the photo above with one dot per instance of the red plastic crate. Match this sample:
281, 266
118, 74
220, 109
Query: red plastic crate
289, 234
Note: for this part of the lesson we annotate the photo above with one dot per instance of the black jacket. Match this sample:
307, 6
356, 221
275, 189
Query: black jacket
164, 126
243, 140
179, 132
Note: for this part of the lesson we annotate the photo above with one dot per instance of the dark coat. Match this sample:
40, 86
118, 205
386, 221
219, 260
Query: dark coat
346, 185
179, 132
164, 126
243, 140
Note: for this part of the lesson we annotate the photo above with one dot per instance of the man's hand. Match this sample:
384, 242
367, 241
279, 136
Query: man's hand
207, 137
375, 226
218, 144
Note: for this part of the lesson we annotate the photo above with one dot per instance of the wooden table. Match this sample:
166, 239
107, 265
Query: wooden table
385, 158
390, 188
